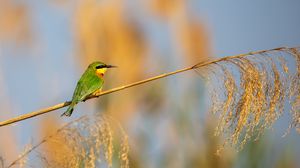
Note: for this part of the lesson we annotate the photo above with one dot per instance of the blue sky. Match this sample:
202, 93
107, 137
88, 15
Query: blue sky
242, 26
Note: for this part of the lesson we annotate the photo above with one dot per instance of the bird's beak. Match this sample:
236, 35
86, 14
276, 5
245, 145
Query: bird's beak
111, 66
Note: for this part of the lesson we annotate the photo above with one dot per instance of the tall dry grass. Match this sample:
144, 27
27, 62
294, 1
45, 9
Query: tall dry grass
254, 101
85, 142
14, 22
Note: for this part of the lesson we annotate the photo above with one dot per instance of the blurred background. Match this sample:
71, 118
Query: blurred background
46, 45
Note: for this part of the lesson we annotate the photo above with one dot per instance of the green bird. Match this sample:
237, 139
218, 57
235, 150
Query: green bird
90, 83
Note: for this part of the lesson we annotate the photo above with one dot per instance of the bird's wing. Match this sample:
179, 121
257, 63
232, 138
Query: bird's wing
88, 84
78, 91
93, 84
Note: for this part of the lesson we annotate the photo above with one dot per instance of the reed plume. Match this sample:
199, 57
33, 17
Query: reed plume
253, 92
85, 142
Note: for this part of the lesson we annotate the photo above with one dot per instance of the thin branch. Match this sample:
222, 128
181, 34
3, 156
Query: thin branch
196, 66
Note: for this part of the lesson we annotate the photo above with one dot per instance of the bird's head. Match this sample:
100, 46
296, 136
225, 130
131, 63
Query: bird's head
100, 68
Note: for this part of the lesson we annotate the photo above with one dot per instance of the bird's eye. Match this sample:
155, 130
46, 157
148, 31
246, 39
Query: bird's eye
100, 66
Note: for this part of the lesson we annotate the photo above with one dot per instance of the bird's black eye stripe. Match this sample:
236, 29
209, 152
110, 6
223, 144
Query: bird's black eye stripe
100, 66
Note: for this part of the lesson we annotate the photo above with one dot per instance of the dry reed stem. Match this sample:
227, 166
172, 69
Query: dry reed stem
22, 162
198, 65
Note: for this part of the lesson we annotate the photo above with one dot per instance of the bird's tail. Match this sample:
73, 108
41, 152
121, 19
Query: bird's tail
69, 111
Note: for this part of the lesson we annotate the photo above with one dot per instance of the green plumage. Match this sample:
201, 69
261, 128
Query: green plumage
89, 83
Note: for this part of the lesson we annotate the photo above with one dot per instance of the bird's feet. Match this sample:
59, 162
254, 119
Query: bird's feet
96, 93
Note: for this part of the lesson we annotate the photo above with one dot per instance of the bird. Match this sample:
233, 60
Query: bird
90, 82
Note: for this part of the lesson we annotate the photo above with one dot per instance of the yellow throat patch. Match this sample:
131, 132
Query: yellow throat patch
101, 72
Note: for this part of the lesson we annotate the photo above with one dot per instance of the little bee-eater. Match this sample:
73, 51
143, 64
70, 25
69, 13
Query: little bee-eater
90, 82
